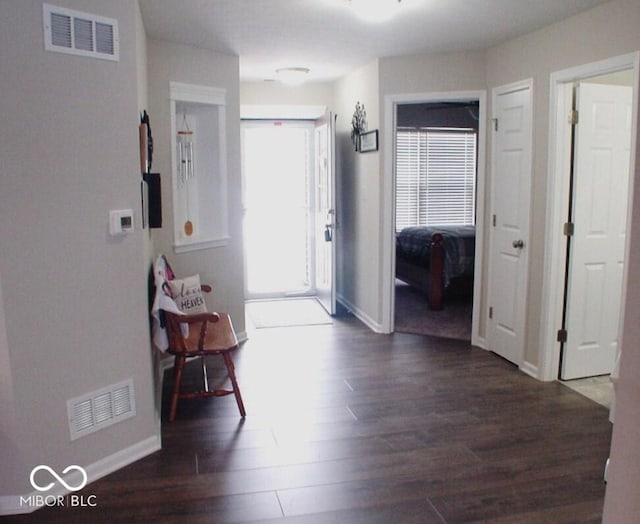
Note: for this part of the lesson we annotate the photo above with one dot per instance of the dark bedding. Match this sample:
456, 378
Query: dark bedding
413, 244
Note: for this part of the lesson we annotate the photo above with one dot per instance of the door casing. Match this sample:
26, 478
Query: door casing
599, 213
388, 205
325, 210
558, 201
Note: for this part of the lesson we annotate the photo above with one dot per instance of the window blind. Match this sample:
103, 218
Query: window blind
435, 176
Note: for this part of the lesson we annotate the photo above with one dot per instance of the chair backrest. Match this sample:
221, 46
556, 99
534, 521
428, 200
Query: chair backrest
175, 335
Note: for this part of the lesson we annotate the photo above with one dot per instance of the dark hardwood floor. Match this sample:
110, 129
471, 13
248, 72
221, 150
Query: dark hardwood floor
347, 426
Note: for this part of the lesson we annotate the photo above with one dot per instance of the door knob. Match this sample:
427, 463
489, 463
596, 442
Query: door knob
518, 244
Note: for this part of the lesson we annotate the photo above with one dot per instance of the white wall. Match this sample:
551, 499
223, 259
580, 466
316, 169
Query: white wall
12, 456
358, 199
436, 73
141, 52
221, 267
277, 94
74, 299
622, 504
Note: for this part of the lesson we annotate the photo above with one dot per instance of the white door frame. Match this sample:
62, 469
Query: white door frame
558, 201
388, 202
298, 124
326, 295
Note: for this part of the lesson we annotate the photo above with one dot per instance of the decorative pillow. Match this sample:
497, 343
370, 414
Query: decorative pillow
188, 295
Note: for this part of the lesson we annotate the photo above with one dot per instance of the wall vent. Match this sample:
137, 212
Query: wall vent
77, 33
101, 408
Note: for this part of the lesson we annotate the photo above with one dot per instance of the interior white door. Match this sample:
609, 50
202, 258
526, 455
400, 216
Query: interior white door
511, 190
597, 250
325, 221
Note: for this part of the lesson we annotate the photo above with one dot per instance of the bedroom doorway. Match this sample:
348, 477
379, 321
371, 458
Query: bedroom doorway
436, 153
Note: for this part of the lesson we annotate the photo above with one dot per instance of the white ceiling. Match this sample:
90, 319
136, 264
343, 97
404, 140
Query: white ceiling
325, 36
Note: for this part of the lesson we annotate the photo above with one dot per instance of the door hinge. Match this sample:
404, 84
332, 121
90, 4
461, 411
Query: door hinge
495, 124
490, 312
562, 335
568, 229
493, 220
573, 117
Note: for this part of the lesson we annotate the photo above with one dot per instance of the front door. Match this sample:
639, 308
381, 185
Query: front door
511, 190
325, 220
599, 213
278, 172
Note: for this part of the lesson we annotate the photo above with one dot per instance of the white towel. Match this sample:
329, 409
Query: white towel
162, 301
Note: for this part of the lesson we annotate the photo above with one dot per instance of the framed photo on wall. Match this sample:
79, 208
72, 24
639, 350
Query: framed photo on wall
369, 141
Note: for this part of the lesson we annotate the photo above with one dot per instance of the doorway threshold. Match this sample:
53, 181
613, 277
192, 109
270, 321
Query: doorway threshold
286, 312
599, 389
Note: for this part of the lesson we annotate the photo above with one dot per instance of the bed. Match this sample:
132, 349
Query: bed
437, 260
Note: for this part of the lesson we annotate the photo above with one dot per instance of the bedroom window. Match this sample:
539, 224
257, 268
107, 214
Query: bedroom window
435, 176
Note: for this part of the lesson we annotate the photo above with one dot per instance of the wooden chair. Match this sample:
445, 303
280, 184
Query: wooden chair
209, 334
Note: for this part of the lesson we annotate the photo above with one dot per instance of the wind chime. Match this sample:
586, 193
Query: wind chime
185, 167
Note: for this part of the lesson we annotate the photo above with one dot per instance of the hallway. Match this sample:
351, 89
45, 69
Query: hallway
344, 425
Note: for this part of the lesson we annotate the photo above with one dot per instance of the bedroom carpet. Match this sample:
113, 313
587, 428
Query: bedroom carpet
413, 315
286, 312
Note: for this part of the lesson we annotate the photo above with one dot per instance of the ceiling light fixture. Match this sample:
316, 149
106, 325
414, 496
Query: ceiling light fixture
375, 10
292, 76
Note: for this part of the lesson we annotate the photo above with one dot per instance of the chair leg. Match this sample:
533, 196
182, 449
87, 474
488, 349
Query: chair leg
205, 377
234, 383
178, 368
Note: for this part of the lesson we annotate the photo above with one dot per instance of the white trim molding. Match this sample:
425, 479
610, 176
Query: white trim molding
558, 200
388, 262
376, 327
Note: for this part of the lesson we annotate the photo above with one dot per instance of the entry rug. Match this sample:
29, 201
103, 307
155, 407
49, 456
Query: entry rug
287, 312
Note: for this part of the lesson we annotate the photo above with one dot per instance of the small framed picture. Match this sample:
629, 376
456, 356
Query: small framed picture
369, 141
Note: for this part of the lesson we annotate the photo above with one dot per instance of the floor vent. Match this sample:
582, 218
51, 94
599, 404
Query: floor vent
76, 33
101, 408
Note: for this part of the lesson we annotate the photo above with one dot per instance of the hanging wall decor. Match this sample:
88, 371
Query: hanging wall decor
358, 124
184, 142
199, 168
146, 143
369, 141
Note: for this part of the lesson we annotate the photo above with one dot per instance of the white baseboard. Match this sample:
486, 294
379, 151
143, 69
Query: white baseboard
362, 316
529, 369
478, 341
16, 504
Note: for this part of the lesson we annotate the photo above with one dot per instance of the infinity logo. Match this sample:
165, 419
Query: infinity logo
58, 477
